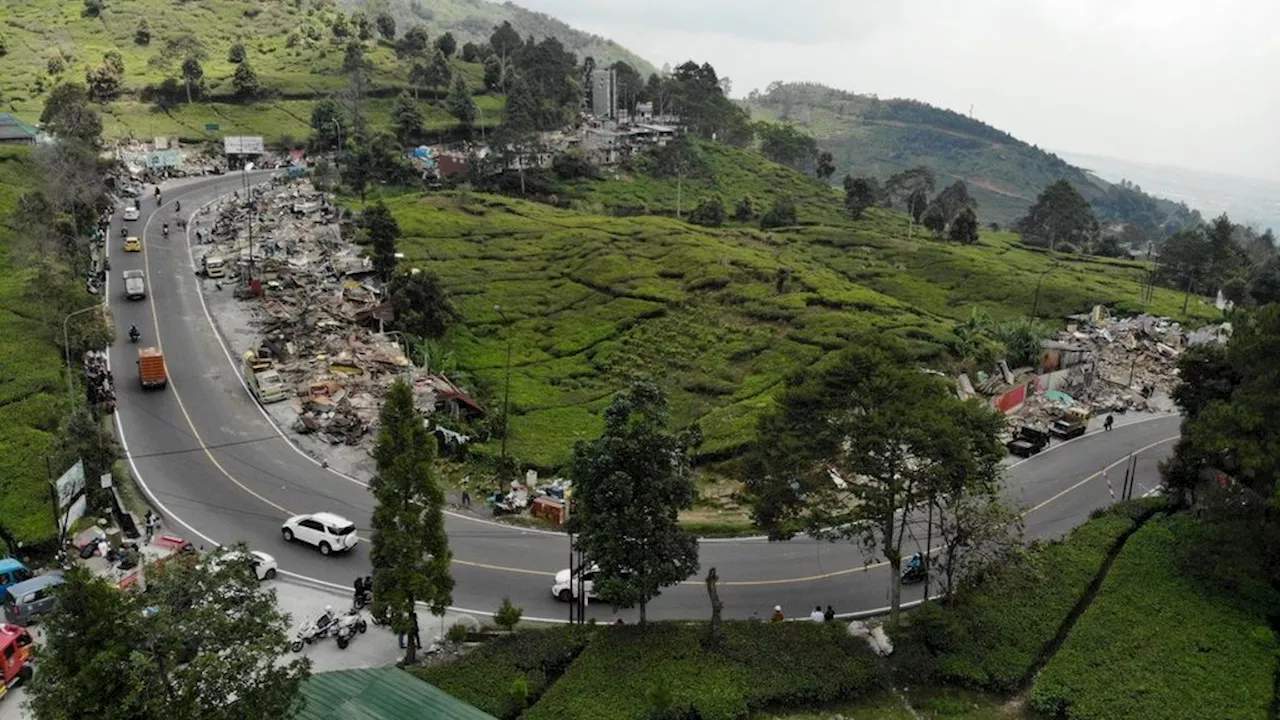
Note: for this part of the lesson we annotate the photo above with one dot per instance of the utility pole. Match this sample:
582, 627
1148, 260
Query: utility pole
66, 346
506, 391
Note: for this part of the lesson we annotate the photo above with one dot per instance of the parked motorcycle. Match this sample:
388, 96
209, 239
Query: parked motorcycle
313, 631
347, 626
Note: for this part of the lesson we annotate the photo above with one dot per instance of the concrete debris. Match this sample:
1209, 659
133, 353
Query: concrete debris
319, 311
1100, 364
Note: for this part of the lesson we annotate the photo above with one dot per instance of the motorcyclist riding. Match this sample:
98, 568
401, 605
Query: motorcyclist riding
177, 206
123, 231
137, 204
134, 333
166, 229
915, 562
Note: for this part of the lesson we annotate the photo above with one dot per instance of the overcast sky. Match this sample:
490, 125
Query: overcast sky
1193, 83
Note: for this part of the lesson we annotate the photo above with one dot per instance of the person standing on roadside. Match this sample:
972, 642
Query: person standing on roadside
1106, 424
777, 614
816, 615
829, 615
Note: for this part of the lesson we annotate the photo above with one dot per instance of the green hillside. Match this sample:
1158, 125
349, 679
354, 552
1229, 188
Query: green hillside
33, 391
473, 20
869, 136
720, 316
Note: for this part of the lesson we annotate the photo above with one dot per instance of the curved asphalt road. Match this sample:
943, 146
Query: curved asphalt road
207, 455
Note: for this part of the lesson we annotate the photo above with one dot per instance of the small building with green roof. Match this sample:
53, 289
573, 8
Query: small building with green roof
386, 693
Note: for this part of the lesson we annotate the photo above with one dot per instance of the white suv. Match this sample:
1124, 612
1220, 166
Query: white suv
326, 531
564, 590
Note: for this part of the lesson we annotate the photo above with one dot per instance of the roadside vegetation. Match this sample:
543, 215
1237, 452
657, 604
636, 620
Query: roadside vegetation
1178, 648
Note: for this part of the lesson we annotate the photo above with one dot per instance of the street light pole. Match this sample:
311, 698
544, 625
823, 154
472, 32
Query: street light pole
506, 391
337, 158
250, 207
66, 346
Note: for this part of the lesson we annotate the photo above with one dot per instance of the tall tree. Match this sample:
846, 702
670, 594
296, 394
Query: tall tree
353, 57
423, 308
826, 166
383, 232
67, 114
414, 43
459, 102
1264, 285
406, 118
386, 25
410, 553
505, 41
439, 72
629, 487
205, 641
245, 82
192, 76
1059, 215
236, 54
858, 196
784, 144
907, 183
964, 228
953, 200
1184, 261
853, 447
328, 125
447, 45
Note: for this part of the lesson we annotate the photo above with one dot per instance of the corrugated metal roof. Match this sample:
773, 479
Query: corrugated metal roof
380, 694
11, 128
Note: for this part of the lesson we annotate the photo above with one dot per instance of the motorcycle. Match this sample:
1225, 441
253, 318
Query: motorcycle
347, 626
177, 206
134, 335
310, 631
166, 229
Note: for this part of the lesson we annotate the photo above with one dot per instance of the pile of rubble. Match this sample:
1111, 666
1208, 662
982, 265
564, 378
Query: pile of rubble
1099, 363
319, 311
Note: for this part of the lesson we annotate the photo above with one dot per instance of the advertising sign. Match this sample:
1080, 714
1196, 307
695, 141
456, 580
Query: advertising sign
71, 497
243, 144
164, 158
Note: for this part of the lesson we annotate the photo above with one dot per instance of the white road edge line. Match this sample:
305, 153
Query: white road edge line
235, 370
137, 476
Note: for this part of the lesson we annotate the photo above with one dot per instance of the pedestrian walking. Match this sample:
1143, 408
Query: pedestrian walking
466, 498
1106, 424
816, 615
829, 615
151, 522
777, 614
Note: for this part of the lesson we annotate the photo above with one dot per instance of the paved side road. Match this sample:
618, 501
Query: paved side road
377, 648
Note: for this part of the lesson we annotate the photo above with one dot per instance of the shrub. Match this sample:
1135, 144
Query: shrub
1153, 644
572, 166
539, 656
709, 213
760, 665
992, 636
457, 633
781, 214
508, 615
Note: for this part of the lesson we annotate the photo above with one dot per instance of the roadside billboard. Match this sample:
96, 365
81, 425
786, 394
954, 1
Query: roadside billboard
71, 497
243, 145
164, 159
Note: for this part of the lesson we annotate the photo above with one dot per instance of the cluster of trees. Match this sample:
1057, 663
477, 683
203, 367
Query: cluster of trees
862, 445
786, 145
952, 213
1226, 464
1220, 255
1060, 219
204, 640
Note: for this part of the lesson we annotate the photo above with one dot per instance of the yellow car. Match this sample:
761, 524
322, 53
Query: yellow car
132, 244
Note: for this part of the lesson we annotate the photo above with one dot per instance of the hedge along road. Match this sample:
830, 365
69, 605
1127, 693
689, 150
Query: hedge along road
211, 461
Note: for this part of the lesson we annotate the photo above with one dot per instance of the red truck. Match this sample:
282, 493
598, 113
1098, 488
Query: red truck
15, 656
151, 369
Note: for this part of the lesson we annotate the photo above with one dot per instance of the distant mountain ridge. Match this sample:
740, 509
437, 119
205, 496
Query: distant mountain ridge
870, 136
474, 20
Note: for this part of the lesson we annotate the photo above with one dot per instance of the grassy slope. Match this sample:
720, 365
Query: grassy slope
474, 20
1155, 645
873, 137
32, 383
596, 299
760, 666
38, 31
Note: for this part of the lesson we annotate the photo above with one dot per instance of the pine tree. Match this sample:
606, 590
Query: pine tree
410, 554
